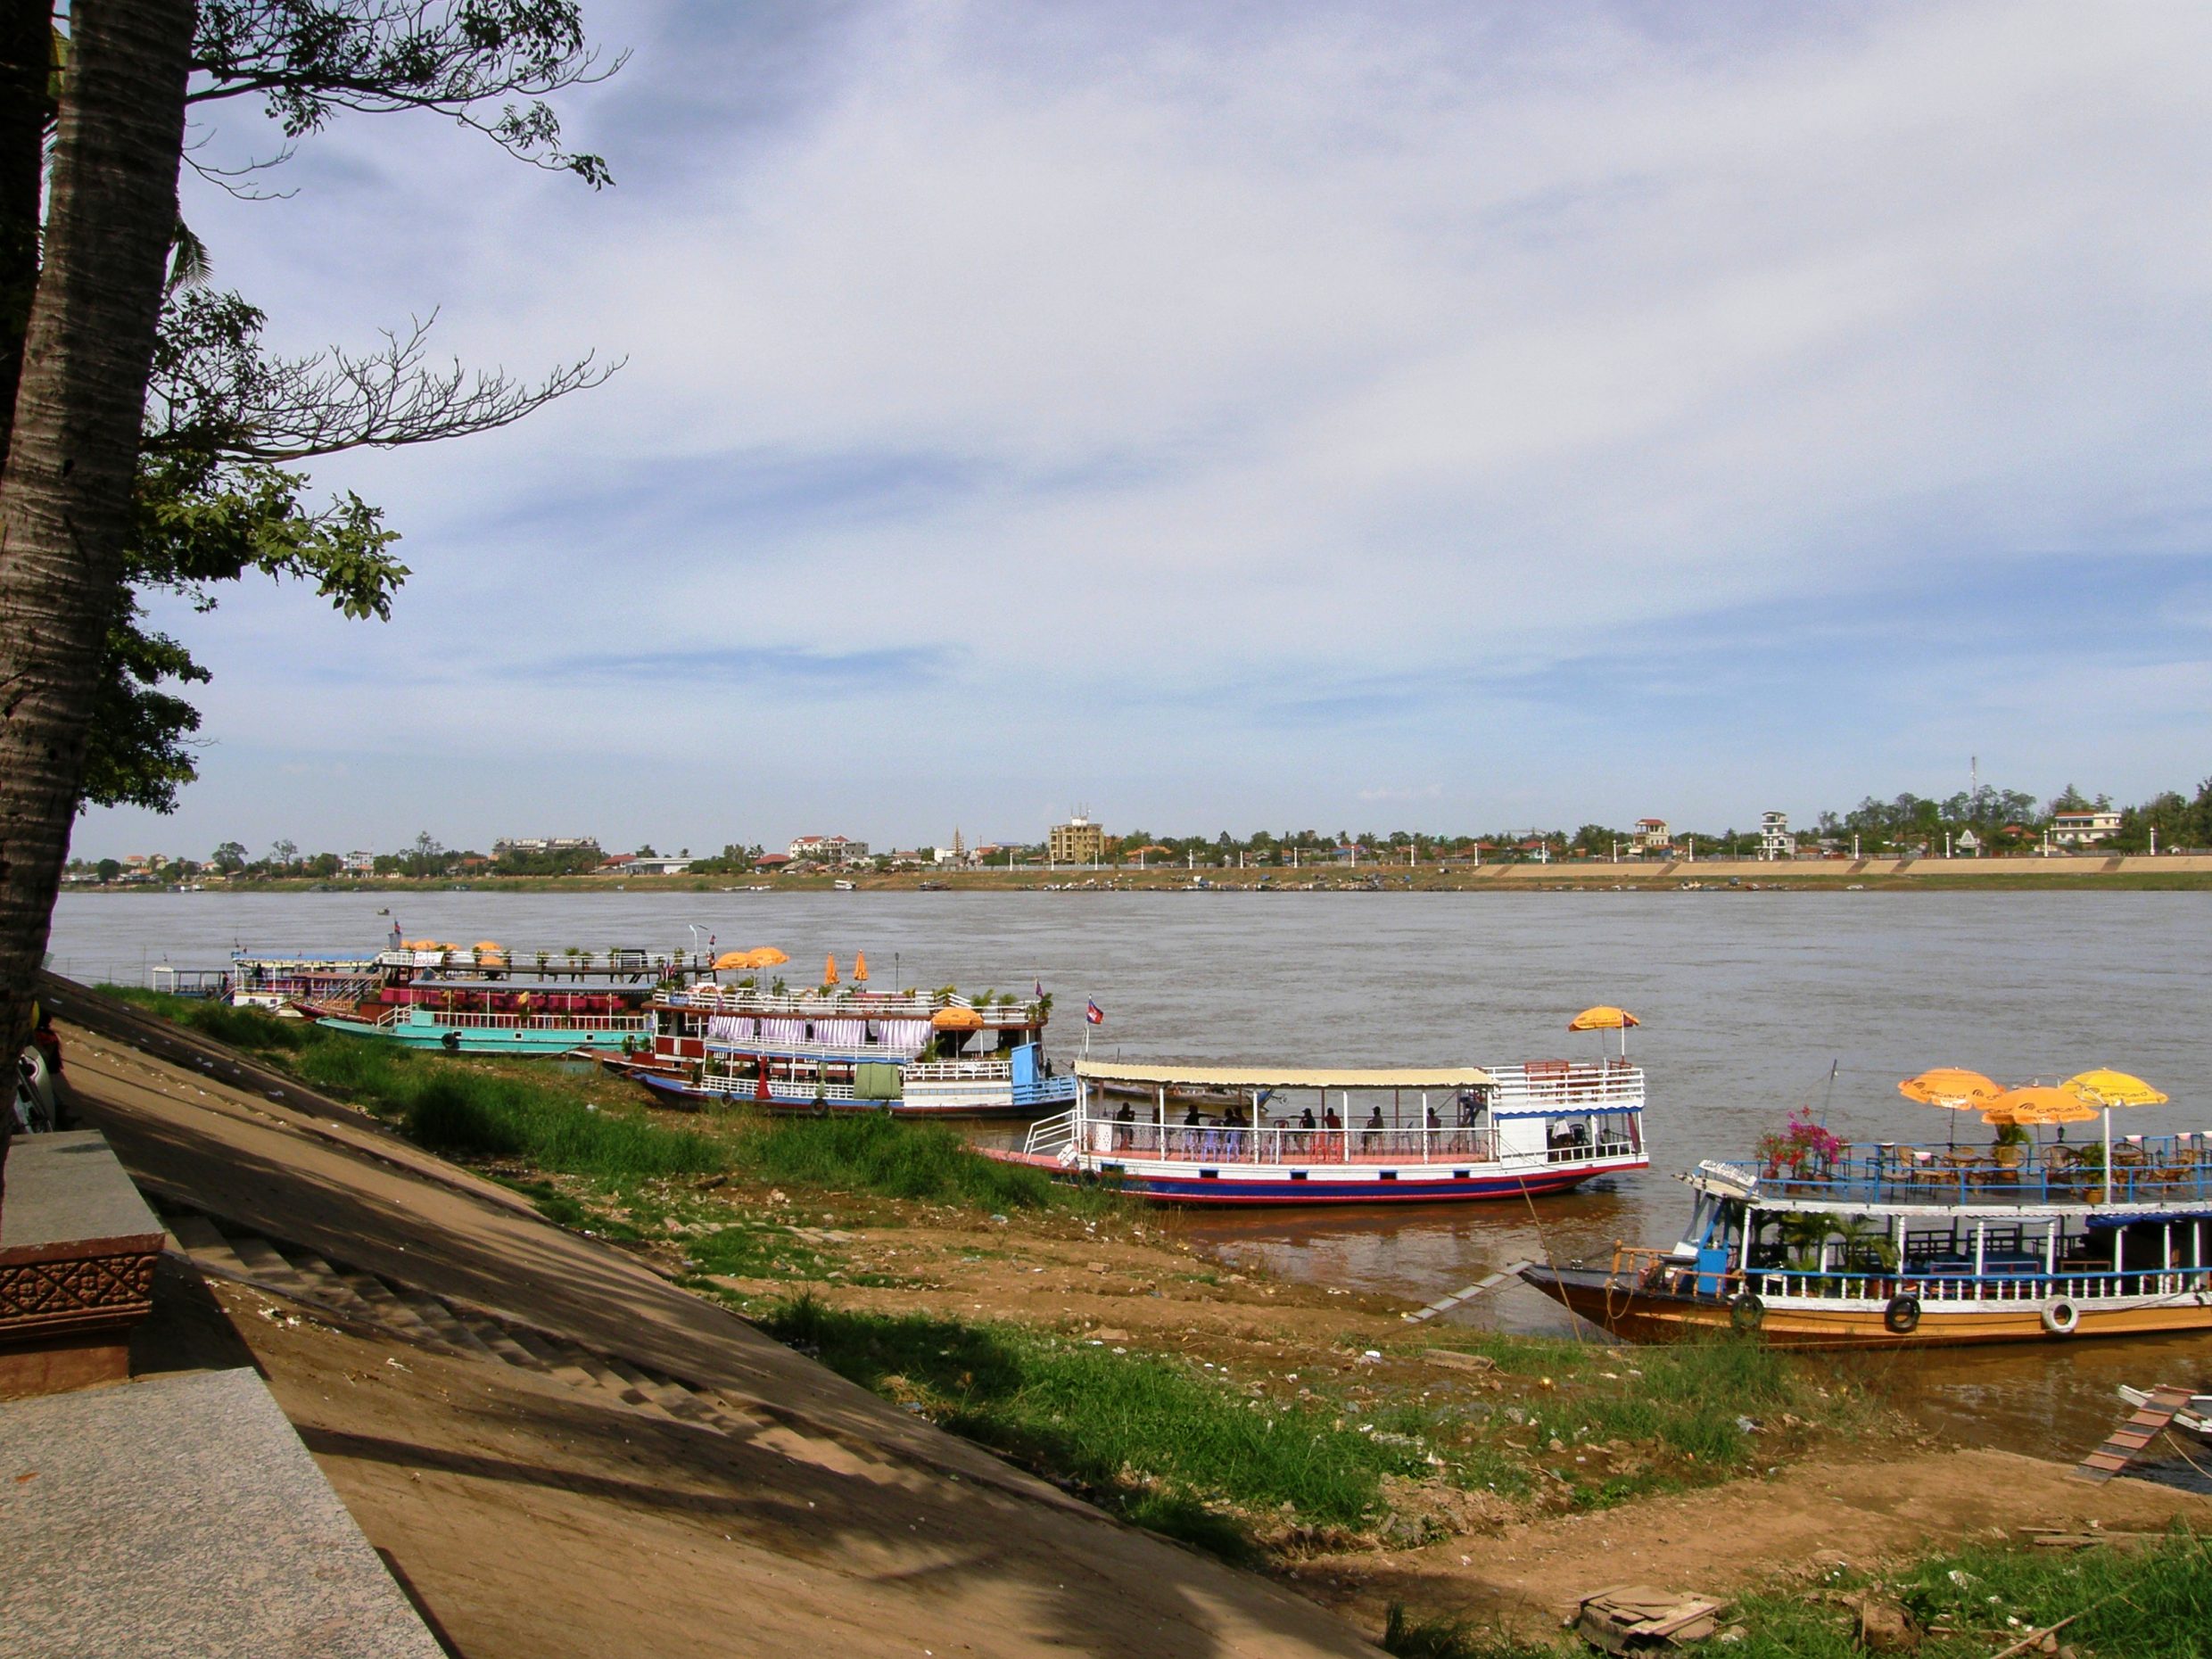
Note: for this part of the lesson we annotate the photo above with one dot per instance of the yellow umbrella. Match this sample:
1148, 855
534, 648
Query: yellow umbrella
734, 959
860, 967
957, 1018
830, 969
2105, 1088
1953, 1086
2037, 1104
766, 956
1605, 1018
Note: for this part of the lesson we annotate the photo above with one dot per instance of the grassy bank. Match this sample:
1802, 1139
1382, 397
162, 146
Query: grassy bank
1078, 1333
1252, 1460
1965, 1604
527, 1113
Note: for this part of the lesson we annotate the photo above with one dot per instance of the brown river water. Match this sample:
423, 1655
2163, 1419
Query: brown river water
1753, 1002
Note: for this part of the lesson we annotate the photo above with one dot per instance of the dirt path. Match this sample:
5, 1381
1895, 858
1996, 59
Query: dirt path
531, 1520
1805, 1519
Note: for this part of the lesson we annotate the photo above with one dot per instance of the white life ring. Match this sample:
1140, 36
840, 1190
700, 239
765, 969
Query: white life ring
2060, 1317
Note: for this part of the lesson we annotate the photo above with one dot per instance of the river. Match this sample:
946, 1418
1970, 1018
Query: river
1753, 1002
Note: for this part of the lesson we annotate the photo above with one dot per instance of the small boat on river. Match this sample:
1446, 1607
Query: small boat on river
1308, 1134
1821, 1244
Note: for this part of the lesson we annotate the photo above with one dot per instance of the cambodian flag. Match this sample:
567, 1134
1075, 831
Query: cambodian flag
1093, 1013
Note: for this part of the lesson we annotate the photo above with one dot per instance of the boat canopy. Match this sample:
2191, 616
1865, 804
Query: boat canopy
1287, 1075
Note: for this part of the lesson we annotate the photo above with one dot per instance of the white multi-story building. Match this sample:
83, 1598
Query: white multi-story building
359, 864
1775, 841
532, 845
828, 849
2086, 828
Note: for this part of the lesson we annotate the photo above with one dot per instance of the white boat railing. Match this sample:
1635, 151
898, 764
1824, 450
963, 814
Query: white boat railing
1568, 1085
722, 999
961, 1071
1277, 1144
1955, 1289
453, 1019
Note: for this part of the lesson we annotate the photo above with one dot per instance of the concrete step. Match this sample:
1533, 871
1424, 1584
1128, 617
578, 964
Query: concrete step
387, 1308
602, 1373
556, 1358
498, 1339
438, 1319
329, 1287
264, 1261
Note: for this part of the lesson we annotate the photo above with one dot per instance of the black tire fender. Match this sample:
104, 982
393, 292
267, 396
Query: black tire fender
1747, 1312
1902, 1316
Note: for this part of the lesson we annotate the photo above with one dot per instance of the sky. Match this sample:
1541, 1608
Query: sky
1274, 415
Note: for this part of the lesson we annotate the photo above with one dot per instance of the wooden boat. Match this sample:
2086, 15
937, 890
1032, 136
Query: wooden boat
1305, 1135
1893, 1246
910, 1054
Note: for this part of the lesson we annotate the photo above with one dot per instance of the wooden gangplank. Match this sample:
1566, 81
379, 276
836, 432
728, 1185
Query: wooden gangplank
2127, 1441
1490, 1282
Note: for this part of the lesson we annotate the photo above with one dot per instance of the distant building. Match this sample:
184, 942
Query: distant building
828, 849
1078, 841
533, 847
772, 861
1970, 844
2086, 828
654, 864
1652, 835
359, 864
1775, 841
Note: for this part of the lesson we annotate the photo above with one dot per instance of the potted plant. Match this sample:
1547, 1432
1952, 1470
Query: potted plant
2012, 1145
1801, 1148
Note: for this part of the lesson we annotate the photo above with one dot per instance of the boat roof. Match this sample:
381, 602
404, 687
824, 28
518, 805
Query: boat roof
1287, 1075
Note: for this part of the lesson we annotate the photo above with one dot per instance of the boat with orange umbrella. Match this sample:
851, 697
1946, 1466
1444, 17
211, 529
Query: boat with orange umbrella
1821, 1243
840, 1047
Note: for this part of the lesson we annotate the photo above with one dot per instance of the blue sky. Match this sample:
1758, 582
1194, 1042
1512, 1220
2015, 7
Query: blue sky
1399, 415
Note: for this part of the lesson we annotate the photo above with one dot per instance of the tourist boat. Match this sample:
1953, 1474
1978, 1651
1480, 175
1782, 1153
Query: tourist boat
1892, 1246
1305, 1135
838, 1049
481, 999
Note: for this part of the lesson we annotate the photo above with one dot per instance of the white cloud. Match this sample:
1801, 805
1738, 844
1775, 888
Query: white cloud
1136, 363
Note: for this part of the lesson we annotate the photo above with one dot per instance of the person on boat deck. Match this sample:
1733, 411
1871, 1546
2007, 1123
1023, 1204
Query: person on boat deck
1329, 1118
1375, 1118
1127, 1114
1434, 1122
1306, 1119
1191, 1119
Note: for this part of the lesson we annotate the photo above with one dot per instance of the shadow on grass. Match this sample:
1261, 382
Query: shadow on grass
1144, 1436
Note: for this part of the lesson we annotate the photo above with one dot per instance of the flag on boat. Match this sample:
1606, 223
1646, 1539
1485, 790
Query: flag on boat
1093, 1014
1040, 990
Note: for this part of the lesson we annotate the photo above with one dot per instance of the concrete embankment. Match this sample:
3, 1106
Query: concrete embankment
557, 1508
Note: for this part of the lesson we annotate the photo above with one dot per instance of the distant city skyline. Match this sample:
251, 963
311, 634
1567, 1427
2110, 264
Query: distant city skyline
1432, 414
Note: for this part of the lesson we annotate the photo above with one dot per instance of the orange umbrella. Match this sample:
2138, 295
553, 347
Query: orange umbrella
1605, 1018
860, 967
2037, 1104
957, 1018
830, 969
1953, 1086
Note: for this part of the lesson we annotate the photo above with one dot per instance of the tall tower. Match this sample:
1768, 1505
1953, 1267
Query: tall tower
960, 847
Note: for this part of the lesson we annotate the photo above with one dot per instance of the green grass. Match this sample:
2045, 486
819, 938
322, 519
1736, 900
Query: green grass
1680, 1409
878, 1154
2151, 1604
453, 1106
467, 1108
1154, 1438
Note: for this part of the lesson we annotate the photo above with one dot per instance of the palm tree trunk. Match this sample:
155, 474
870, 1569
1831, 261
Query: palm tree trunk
65, 497
26, 60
